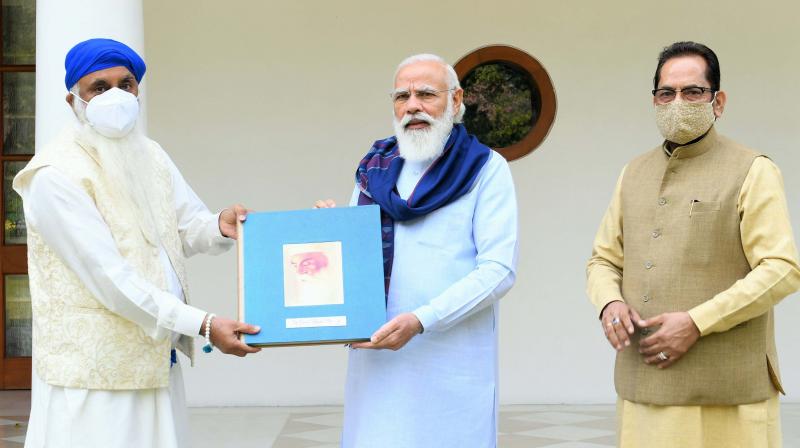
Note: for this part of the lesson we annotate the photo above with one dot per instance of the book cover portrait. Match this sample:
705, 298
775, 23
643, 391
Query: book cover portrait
312, 274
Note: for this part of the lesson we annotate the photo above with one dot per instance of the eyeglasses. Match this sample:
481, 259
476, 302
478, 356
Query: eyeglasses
423, 95
690, 94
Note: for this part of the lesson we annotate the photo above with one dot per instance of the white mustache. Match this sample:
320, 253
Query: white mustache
417, 116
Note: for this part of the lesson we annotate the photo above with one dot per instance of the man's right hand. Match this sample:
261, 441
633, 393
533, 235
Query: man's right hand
325, 203
617, 320
225, 336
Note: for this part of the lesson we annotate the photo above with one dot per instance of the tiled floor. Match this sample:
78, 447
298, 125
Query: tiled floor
14, 408
520, 426
528, 426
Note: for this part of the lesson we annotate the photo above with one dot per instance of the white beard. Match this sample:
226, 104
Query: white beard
421, 145
127, 166
317, 289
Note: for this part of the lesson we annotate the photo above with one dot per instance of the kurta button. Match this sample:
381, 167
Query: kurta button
648, 264
662, 201
656, 233
645, 298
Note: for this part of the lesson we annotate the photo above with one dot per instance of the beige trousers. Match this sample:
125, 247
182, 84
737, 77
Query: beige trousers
756, 425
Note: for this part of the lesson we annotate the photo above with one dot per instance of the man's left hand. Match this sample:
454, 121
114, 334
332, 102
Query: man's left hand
228, 219
393, 334
677, 335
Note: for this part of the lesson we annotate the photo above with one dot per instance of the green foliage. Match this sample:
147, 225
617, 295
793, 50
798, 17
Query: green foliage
498, 98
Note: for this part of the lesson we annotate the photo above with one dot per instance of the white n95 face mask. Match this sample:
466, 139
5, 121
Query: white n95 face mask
113, 113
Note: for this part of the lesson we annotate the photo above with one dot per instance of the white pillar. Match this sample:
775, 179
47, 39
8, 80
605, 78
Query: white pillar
60, 24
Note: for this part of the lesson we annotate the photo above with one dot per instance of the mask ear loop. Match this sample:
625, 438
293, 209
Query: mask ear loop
79, 97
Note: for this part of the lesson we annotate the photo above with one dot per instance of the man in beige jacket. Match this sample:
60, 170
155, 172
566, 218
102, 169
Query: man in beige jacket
692, 255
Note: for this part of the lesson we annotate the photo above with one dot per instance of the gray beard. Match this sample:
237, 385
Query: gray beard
422, 145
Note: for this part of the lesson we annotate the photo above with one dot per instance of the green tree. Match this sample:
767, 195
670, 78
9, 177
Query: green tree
499, 104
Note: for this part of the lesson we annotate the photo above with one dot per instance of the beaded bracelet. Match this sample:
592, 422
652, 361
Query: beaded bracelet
209, 346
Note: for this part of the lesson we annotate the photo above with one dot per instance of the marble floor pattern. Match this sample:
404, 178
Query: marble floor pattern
520, 426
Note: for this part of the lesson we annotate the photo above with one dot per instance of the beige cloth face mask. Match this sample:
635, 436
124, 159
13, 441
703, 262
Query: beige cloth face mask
681, 121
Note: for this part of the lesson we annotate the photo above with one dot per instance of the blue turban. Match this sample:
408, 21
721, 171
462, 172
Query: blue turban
97, 54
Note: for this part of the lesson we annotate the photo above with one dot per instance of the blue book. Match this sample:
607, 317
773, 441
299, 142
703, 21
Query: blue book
311, 276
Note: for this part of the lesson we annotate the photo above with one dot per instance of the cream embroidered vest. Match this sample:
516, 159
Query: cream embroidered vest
682, 247
77, 342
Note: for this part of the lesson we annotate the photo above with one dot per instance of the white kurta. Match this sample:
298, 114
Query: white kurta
450, 269
69, 222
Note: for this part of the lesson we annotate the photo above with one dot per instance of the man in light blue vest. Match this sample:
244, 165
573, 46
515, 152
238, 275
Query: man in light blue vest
428, 377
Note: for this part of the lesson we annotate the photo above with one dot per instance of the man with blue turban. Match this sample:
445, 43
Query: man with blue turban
110, 223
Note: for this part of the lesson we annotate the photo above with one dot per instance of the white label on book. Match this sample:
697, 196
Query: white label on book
311, 322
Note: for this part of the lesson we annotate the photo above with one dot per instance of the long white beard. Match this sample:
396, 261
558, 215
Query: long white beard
316, 289
127, 166
420, 145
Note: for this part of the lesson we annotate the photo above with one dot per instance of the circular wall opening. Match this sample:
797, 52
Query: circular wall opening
509, 97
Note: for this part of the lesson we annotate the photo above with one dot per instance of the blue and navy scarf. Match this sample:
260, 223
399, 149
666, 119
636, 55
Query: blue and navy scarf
448, 178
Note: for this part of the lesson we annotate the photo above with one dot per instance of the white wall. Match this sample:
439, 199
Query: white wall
273, 104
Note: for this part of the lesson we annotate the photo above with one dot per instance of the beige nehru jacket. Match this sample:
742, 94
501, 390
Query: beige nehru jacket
705, 230
78, 342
